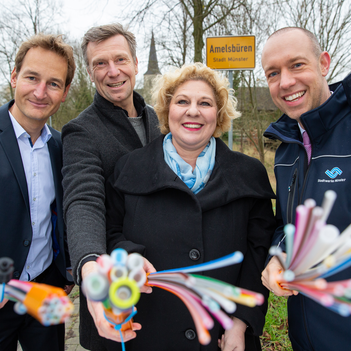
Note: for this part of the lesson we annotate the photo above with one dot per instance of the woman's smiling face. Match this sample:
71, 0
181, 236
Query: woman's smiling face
192, 116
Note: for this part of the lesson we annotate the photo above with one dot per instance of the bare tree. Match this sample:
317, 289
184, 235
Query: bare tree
255, 18
330, 21
81, 94
177, 47
18, 21
202, 15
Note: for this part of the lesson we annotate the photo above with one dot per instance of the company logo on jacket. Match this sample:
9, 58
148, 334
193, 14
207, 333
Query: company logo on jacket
335, 172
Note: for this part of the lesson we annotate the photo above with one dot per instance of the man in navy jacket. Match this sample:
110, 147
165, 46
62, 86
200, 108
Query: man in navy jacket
295, 68
32, 231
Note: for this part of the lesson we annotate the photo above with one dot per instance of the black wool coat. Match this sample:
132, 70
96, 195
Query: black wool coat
151, 211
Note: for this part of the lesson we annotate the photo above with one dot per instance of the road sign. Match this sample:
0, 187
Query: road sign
230, 52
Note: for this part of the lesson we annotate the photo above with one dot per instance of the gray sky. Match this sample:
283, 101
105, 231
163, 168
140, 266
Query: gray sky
81, 15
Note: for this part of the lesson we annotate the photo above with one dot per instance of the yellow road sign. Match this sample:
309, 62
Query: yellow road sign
230, 52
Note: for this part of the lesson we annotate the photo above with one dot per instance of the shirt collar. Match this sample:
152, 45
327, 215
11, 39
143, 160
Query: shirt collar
19, 130
301, 129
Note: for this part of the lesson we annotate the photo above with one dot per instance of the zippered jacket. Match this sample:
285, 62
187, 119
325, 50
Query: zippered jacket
311, 326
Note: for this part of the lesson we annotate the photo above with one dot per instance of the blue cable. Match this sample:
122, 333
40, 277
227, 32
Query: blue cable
337, 268
2, 292
122, 342
235, 257
119, 326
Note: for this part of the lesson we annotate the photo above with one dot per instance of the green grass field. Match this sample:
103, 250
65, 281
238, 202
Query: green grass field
275, 332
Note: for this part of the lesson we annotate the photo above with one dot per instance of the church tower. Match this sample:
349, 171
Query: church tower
151, 73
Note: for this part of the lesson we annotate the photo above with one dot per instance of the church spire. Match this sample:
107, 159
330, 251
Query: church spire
153, 63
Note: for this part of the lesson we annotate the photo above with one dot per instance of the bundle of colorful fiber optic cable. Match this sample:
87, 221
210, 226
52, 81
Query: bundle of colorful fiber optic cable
48, 304
119, 278
315, 251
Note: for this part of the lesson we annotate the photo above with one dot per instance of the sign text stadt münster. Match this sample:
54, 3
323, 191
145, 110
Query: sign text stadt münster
230, 52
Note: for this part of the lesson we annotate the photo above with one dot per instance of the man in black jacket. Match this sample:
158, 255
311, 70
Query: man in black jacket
117, 122
315, 135
32, 231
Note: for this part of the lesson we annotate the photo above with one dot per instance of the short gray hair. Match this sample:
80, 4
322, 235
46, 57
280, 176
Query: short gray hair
101, 33
316, 48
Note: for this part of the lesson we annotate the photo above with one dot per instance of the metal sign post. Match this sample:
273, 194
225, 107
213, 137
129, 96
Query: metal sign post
231, 53
230, 133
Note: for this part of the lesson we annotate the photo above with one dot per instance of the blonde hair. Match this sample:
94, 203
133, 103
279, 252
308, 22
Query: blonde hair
166, 85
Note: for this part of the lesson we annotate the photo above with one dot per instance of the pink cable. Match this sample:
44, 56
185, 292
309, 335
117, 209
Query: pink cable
317, 295
308, 243
195, 309
302, 215
25, 286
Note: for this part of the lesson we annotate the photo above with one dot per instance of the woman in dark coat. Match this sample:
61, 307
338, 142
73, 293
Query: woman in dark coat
186, 199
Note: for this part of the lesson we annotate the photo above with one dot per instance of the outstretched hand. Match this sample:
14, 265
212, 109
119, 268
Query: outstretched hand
104, 328
148, 268
272, 276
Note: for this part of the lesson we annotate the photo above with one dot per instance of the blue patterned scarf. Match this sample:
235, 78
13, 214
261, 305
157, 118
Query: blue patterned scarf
197, 179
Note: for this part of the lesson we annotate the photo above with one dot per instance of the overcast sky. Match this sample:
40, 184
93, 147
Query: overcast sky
83, 14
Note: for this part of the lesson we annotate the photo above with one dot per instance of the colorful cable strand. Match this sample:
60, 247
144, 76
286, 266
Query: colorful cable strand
48, 304
201, 295
314, 251
116, 284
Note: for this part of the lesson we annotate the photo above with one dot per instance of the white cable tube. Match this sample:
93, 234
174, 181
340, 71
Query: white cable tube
227, 305
326, 236
138, 275
342, 250
328, 202
340, 244
135, 261
118, 272
96, 286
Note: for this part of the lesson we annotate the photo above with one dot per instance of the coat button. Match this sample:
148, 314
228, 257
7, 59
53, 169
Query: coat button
26, 242
190, 334
16, 274
194, 254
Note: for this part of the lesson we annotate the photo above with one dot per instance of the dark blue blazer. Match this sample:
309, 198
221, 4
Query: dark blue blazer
15, 220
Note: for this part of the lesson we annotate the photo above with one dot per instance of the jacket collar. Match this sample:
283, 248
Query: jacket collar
144, 171
9, 144
108, 107
317, 121
5, 121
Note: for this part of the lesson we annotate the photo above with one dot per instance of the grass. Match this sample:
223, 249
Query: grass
275, 332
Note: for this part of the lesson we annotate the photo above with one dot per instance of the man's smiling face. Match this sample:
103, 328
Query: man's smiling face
113, 70
295, 75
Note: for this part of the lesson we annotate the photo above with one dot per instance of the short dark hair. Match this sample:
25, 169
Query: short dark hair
52, 43
101, 33
316, 48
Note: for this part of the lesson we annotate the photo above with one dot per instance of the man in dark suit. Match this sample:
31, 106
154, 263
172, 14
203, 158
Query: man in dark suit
31, 222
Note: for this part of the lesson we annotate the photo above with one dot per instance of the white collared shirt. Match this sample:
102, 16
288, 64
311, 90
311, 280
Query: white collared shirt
41, 194
301, 129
